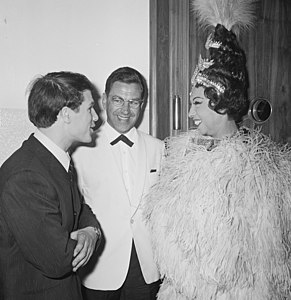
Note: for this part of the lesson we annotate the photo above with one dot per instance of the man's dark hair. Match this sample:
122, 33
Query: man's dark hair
127, 75
50, 93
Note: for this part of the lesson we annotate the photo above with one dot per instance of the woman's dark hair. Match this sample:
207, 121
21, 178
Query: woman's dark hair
228, 69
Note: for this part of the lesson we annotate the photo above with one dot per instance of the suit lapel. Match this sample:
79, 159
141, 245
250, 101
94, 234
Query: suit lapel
61, 180
140, 172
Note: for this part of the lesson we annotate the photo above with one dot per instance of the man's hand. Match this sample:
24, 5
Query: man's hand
86, 240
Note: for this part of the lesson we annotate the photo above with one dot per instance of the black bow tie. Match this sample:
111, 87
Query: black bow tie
123, 138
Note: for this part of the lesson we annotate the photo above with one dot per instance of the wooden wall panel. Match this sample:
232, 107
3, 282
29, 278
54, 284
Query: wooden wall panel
179, 57
159, 68
197, 46
269, 64
267, 47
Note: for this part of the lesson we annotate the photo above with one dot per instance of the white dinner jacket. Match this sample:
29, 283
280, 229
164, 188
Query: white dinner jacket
101, 182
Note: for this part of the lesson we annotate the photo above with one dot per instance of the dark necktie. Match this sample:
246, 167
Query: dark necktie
124, 139
74, 192
72, 171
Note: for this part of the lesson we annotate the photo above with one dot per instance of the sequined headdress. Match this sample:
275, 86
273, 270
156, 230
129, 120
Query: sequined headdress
225, 57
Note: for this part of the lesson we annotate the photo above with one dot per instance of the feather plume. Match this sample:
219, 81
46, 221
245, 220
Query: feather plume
234, 15
224, 233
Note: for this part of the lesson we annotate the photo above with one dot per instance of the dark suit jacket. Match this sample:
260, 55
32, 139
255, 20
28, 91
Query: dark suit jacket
37, 215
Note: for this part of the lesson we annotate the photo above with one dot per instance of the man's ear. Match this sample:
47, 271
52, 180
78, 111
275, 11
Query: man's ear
64, 113
104, 101
143, 105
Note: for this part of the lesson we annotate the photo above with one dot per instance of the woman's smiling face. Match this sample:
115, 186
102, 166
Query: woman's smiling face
208, 121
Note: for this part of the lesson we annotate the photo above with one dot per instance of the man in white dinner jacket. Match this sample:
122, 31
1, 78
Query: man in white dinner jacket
115, 175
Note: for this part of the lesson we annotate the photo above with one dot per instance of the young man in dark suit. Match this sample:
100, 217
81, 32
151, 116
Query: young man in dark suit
46, 232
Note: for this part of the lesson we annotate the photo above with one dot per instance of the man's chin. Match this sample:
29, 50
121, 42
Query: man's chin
123, 129
88, 138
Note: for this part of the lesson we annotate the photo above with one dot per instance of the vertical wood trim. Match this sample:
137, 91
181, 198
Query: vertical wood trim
159, 68
185, 62
153, 114
179, 57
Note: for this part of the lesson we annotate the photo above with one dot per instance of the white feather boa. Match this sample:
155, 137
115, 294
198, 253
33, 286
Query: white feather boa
220, 219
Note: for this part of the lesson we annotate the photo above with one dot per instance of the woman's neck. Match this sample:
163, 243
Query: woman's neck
228, 130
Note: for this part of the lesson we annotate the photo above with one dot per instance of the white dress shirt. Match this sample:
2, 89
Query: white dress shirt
127, 157
62, 156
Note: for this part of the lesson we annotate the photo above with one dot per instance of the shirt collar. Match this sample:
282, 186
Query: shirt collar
112, 134
62, 156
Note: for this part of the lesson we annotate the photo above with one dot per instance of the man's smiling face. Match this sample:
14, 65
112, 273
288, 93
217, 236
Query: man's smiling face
123, 118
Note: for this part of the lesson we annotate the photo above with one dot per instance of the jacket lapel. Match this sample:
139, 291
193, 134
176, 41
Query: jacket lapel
140, 173
69, 205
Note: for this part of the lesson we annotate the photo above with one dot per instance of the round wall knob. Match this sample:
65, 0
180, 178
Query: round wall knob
260, 110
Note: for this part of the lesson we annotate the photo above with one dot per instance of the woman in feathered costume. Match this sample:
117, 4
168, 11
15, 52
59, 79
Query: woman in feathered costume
220, 215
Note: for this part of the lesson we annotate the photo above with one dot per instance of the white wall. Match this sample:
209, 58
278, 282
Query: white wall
92, 37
